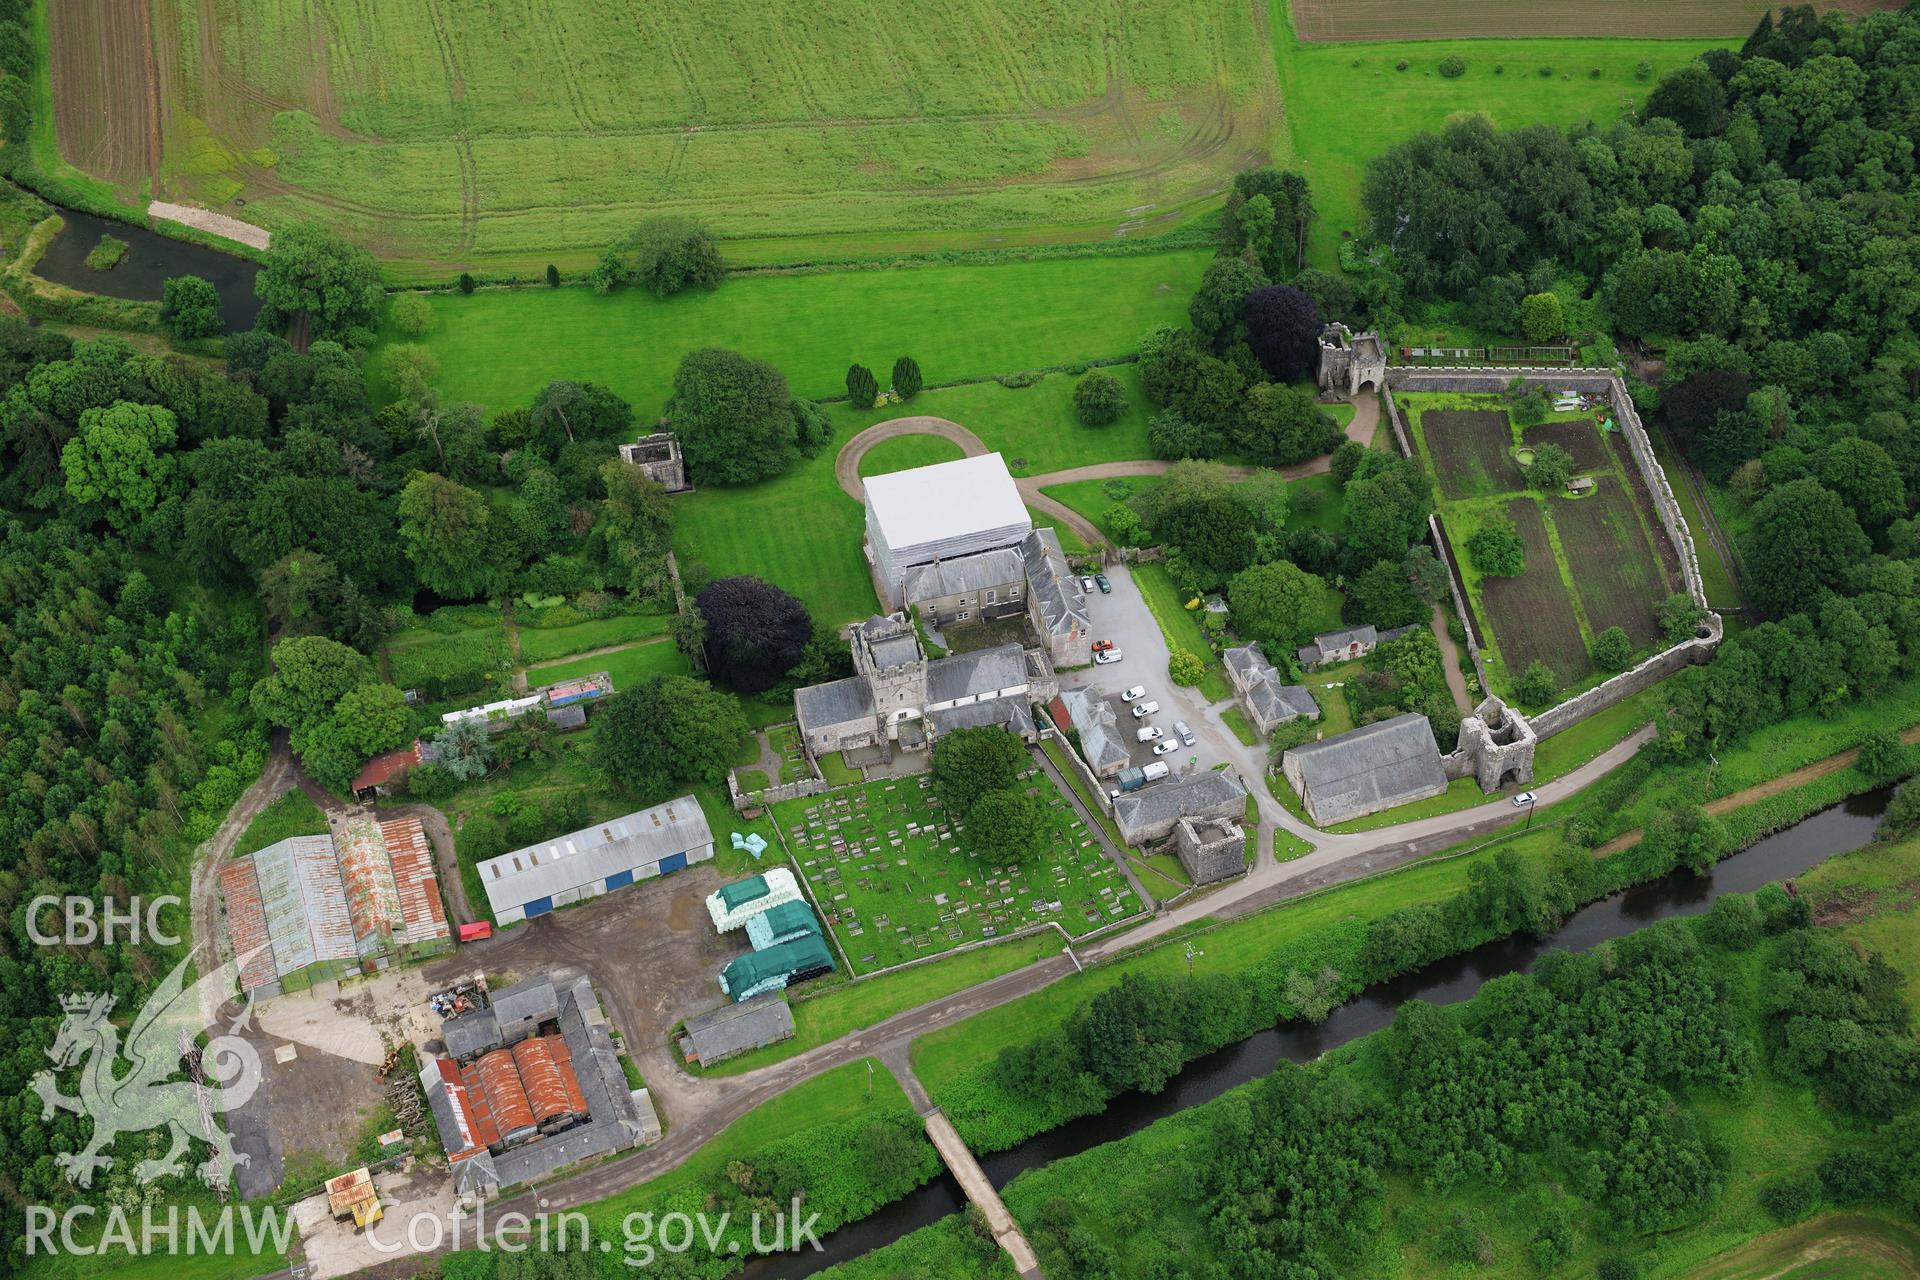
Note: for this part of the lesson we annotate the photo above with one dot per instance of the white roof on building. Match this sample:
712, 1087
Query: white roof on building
946, 500
594, 853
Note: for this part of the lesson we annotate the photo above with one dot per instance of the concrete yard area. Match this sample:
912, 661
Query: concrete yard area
653, 955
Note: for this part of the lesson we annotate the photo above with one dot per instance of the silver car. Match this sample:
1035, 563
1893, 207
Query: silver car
1186, 734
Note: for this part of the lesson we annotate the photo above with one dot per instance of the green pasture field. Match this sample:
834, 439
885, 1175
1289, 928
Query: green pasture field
1376, 106
498, 347
420, 130
291, 815
846, 1092
900, 883
1591, 561
539, 644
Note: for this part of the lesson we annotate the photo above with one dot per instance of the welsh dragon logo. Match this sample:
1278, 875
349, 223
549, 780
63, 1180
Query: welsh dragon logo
147, 1096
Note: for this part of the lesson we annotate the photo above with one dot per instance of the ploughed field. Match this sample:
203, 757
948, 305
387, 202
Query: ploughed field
517, 132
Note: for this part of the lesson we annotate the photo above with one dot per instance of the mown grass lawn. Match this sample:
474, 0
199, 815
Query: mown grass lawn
498, 347
539, 644
903, 453
1319, 82
629, 667
1034, 428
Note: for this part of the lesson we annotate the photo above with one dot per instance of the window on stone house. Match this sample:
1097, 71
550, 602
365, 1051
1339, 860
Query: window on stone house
993, 596
962, 616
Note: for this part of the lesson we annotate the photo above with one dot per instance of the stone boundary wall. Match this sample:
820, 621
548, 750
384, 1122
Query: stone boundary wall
1486, 381
1637, 679
1634, 680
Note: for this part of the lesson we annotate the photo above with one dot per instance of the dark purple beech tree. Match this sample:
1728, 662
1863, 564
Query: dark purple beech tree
755, 632
1283, 328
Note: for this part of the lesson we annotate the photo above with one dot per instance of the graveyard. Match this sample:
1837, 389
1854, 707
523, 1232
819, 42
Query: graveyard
896, 881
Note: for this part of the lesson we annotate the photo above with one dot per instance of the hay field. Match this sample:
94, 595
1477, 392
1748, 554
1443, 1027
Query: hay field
1320, 20
511, 133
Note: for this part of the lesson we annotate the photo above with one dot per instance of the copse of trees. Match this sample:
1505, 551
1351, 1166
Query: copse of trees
663, 255
312, 271
668, 731
735, 417
190, 308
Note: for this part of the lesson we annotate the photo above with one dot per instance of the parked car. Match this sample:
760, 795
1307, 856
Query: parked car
1108, 656
1101, 646
1524, 799
1100, 580
1148, 733
1086, 584
1144, 709
1186, 734
1165, 748
1138, 691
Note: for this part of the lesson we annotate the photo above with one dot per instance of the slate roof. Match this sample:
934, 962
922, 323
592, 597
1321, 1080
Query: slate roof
1279, 703
965, 575
1005, 713
1157, 809
963, 675
1099, 728
1053, 585
735, 1028
1273, 702
471, 1034
593, 853
1367, 769
835, 702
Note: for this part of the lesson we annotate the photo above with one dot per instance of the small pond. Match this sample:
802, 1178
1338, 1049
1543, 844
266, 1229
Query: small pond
151, 260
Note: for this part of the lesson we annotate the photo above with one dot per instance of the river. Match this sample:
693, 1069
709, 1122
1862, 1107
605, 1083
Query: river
152, 259
1845, 827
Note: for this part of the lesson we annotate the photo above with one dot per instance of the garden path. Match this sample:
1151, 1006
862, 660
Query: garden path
846, 466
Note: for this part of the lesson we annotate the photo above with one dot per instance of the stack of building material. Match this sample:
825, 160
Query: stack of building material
732, 905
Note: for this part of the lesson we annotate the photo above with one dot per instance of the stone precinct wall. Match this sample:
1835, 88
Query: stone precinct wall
1485, 381
1631, 681
1493, 381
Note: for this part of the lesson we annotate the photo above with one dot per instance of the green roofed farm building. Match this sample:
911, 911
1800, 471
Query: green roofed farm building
776, 967
732, 905
788, 922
